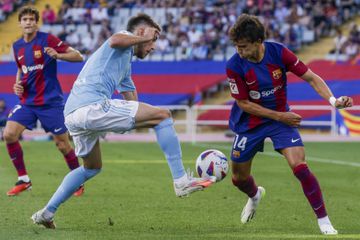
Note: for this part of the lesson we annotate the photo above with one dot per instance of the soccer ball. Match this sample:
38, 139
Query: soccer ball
212, 163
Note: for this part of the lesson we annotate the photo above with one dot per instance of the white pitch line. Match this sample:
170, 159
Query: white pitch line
274, 154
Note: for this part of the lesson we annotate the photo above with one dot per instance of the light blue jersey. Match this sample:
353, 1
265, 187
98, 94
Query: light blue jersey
107, 70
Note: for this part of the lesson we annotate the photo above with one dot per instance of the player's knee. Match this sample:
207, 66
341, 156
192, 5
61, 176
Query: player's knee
63, 146
10, 136
164, 114
239, 178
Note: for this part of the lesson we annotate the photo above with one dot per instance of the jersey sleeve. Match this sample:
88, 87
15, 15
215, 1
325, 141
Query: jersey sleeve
292, 62
238, 88
127, 84
57, 44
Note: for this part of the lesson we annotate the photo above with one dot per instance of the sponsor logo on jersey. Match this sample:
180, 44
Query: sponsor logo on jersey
270, 92
254, 94
277, 73
26, 69
37, 53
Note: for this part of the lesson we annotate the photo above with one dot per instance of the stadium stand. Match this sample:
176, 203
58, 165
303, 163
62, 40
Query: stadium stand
197, 30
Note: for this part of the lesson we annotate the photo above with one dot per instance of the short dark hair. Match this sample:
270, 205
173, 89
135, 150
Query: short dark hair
247, 27
28, 10
139, 19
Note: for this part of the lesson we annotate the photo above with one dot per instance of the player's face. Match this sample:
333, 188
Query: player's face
246, 49
142, 50
28, 24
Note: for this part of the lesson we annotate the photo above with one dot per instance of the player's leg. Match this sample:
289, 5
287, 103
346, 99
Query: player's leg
52, 120
19, 119
63, 144
245, 147
287, 141
72, 181
296, 159
161, 121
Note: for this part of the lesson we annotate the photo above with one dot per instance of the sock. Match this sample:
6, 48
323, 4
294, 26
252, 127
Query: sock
248, 186
16, 155
182, 179
324, 221
69, 185
169, 144
311, 189
71, 160
24, 178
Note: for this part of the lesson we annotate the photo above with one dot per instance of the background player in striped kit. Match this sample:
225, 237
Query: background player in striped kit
40, 94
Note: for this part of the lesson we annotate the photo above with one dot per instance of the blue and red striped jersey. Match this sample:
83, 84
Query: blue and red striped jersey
263, 83
39, 70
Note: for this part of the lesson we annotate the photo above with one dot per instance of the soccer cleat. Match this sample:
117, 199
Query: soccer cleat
328, 229
79, 191
192, 185
38, 218
249, 210
19, 187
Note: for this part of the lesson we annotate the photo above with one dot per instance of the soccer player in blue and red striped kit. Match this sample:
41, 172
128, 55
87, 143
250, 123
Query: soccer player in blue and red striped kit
257, 79
40, 94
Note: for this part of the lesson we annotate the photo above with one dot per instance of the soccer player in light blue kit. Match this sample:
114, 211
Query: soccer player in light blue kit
90, 113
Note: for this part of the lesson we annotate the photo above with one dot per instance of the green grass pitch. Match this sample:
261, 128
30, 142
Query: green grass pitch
133, 197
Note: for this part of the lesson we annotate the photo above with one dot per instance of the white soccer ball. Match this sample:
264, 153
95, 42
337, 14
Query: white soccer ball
212, 162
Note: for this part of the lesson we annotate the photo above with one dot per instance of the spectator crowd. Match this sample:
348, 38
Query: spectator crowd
197, 29
9, 6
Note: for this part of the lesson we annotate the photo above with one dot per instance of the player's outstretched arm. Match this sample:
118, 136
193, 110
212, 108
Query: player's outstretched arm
70, 55
289, 118
123, 40
323, 90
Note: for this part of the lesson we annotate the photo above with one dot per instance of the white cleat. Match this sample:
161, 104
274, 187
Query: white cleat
39, 219
192, 184
328, 229
249, 210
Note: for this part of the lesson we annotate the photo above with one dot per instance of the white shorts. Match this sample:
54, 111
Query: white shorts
88, 123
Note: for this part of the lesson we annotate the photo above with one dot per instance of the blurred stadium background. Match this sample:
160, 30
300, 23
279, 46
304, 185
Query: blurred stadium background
186, 74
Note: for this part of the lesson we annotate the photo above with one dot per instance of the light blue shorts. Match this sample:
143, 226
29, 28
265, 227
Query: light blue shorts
88, 123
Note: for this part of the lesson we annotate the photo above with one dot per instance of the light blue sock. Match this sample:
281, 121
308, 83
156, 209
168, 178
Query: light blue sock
69, 185
169, 144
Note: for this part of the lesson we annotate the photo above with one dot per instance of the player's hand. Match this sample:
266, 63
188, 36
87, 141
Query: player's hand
343, 102
51, 52
18, 89
151, 33
290, 118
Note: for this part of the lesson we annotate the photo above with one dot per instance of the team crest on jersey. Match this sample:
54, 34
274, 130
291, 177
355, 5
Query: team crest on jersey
277, 73
37, 53
236, 154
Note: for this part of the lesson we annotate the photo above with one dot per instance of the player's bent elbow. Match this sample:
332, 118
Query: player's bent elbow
243, 104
